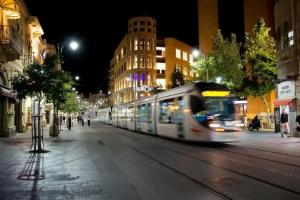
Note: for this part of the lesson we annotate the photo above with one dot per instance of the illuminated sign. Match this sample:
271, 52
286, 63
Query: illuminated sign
144, 88
215, 93
286, 90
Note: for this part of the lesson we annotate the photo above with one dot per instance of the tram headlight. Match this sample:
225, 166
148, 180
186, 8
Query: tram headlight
214, 125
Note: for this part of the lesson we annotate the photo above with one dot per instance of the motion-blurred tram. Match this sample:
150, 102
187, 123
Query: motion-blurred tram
202, 111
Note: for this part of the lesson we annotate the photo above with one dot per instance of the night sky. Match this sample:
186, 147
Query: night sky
100, 28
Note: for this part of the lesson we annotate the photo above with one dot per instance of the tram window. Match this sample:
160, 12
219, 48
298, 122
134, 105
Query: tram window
168, 111
197, 104
144, 113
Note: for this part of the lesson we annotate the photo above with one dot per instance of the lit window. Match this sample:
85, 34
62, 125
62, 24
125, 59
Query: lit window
191, 58
178, 53
135, 44
291, 38
184, 56
122, 53
135, 61
141, 62
148, 62
161, 66
148, 43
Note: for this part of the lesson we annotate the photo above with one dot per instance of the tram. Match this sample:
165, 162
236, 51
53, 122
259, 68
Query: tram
202, 111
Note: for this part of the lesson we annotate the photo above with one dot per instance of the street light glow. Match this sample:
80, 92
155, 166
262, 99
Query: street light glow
76, 78
74, 45
218, 79
196, 53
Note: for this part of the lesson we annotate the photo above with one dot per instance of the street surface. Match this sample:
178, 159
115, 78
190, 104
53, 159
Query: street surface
104, 162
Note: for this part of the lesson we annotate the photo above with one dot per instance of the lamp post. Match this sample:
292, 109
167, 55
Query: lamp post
196, 54
73, 46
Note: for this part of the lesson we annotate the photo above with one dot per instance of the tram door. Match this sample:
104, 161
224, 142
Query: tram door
179, 117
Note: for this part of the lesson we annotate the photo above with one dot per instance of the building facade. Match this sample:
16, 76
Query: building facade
171, 54
141, 62
287, 24
20, 45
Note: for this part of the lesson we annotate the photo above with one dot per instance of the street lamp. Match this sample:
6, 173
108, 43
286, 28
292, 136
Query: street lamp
73, 46
196, 54
77, 78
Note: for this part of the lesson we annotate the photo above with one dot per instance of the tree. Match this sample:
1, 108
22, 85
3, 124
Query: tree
35, 84
177, 78
204, 67
60, 85
260, 58
70, 105
226, 61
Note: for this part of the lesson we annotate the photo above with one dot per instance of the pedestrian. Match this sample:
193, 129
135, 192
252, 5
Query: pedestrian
69, 123
64, 119
89, 121
298, 123
284, 120
82, 121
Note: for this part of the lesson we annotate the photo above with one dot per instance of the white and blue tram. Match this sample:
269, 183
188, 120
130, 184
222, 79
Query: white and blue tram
203, 111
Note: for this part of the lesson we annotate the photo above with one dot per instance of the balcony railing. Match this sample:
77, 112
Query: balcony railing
10, 41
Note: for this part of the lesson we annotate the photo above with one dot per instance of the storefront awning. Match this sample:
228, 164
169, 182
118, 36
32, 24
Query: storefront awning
282, 102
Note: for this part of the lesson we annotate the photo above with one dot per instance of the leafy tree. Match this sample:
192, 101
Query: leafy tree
225, 60
205, 67
260, 59
60, 85
70, 105
177, 78
35, 84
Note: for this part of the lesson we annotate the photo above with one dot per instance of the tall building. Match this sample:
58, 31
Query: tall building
236, 16
141, 62
21, 44
287, 24
170, 54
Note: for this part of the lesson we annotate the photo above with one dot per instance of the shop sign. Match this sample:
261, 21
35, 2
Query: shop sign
286, 90
144, 89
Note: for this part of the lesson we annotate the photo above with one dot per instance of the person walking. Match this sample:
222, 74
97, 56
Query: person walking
89, 121
284, 120
82, 121
69, 122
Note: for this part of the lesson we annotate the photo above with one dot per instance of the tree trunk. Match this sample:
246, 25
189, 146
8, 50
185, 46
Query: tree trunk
268, 110
55, 126
39, 127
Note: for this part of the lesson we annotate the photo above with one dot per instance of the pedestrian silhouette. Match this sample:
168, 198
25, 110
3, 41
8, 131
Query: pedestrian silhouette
69, 123
284, 120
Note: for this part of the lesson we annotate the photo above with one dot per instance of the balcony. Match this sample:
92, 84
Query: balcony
11, 43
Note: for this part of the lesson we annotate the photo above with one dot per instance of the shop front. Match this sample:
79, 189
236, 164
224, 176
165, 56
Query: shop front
286, 100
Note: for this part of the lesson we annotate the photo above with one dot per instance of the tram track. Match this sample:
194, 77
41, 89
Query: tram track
203, 185
262, 158
207, 162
